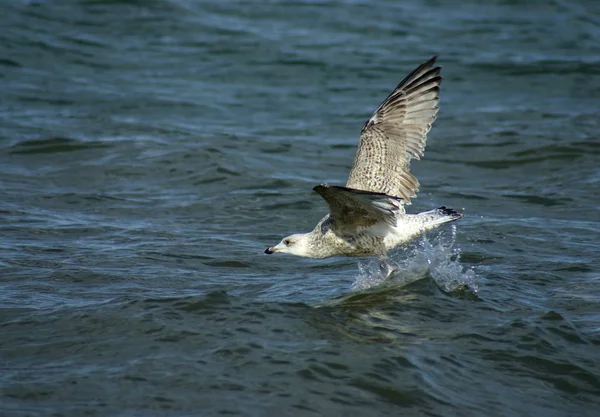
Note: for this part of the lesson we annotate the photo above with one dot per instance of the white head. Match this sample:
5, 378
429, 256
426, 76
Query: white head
297, 244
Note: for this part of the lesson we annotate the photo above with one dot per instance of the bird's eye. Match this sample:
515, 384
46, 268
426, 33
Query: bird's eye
286, 242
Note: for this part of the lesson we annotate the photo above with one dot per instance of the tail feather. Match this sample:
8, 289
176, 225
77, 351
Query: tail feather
450, 212
439, 216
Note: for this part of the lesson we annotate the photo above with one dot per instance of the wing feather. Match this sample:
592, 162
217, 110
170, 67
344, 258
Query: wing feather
397, 133
351, 209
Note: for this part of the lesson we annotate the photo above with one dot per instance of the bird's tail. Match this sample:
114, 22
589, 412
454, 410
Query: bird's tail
434, 218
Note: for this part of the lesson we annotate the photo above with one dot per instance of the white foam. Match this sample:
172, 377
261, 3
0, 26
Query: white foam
434, 255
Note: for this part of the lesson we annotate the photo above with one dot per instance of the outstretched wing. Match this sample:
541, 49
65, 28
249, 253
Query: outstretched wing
395, 134
352, 209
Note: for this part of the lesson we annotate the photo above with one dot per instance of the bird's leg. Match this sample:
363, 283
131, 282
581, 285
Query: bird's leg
384, 267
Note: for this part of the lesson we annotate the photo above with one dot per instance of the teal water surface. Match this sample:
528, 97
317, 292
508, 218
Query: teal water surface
151, 150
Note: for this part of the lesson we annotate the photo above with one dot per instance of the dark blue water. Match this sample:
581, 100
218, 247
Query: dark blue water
151, 150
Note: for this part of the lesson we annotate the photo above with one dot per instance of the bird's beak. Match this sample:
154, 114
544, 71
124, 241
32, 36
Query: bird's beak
275, 249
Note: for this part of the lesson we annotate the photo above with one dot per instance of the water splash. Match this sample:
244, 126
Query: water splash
429, 255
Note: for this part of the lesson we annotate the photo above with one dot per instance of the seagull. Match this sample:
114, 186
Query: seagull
367, 217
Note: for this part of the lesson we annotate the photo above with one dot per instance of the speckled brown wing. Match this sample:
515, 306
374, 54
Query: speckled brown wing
395, 134
352, 209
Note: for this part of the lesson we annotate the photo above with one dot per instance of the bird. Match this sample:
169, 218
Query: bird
367, 216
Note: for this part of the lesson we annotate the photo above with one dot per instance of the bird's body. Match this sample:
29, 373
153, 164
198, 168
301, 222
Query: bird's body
322, 242
367, 216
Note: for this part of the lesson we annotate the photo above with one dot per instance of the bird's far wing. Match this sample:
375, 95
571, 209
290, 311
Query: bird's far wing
395, 134
352, 209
